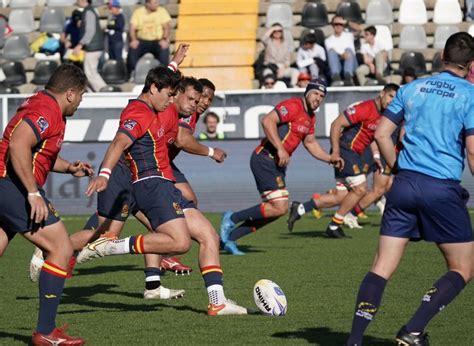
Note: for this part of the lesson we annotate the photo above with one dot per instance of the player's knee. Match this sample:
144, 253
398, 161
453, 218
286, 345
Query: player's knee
182, 245
361, 189
280, 209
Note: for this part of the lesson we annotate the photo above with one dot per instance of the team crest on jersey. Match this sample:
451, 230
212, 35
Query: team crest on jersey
178, 209
125, 210
187, 120
350, 110
42, 124
130, 124
161, 132
283, 111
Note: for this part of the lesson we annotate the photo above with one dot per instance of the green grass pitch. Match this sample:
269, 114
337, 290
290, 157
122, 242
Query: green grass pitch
104, 303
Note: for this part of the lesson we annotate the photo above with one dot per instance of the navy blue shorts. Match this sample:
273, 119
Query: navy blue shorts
422, 207
117, 202
268, 175
368, 159
178, 175
159, 200
15, 209
354, 164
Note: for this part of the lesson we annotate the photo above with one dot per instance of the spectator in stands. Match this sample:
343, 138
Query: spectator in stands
469, 10
375, 57
115, 27
408, 76
311, 57
341, 52
211, 120
277, 57
149, 33
71, 33
92, 42
303, 80
270, 81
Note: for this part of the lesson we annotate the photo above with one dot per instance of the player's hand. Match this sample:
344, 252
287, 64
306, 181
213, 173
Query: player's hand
39, 209
81, 169
378, 162
98, 184
283, 158
336, 161
219, 155
180, 53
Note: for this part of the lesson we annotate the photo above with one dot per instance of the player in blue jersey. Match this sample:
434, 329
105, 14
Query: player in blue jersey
426, 200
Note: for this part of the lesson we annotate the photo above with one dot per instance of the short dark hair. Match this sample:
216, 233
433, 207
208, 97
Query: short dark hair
65, 77
206, 83
212, 115
371, 29
459, 49
391, 87
310, 38
336, 16
162, 77
190, 82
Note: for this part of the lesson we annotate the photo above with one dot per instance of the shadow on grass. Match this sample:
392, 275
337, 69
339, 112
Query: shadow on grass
327, 337
106, 269
243, 248
17, 337
313, 234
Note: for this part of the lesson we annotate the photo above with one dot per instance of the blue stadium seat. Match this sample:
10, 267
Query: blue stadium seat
314, 14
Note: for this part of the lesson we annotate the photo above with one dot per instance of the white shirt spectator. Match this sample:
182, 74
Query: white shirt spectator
372, 51
340, 43
305, 57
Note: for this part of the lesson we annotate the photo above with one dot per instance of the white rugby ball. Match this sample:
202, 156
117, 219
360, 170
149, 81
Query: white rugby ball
270, 298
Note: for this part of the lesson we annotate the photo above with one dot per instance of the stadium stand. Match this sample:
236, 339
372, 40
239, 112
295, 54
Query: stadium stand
350, 10
413, 37
114, 72
52, 20
145, 63
224, 35
43, 71
14, 73
279, 13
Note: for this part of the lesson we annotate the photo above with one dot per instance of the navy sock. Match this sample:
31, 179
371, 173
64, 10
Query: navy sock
368, 301
249, 227
212, 275
152, 278
252, 213
310, 205
51, 285
437, 297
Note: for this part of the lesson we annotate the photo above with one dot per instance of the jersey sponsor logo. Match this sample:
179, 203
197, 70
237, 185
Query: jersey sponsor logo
302, 129
130, 124
372, 126
283, 111
42, 124
442, 89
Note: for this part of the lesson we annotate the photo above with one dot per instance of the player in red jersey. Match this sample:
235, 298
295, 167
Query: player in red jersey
144, 137
29, 150
351, 133
286, 126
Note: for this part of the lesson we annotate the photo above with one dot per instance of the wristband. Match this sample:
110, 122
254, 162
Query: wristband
173, 66
377, 156
211, 152
105, 172
35, 194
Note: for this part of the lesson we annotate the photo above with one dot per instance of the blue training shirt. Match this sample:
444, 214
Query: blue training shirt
439, 113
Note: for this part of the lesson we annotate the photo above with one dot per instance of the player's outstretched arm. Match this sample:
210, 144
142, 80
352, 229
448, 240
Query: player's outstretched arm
317, 151
336, 127
470, 152
180, 53
269, 124
186, 141
376, 155
120, 143
383, 137
20, 151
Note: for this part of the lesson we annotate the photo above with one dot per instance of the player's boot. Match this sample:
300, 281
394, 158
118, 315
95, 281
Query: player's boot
36, 263
404, 338
227, 225
163, 293
231, 247
228, 308
381, 204
57, 337
96, 249
293, 216
351, 221
317, 213
336, 233
362, 215
173, 264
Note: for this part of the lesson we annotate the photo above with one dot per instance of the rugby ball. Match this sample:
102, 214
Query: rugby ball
270, 298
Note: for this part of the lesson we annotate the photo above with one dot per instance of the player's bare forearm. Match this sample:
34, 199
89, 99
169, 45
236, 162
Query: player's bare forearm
120, 143
20, 152
315, 149
269, 124
336, 127
186, 141
61, 165
383, 137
